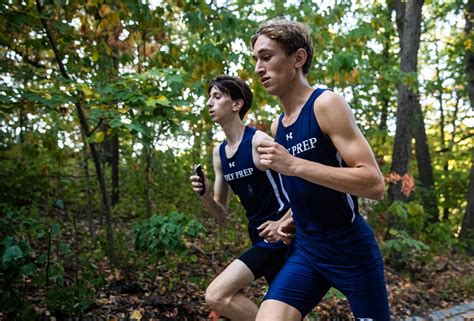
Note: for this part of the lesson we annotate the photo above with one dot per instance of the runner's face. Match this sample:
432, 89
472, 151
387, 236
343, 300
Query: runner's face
220, 105
273, 66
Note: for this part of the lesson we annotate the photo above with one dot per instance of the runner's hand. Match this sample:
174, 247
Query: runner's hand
197, 185
268, 231
286, 231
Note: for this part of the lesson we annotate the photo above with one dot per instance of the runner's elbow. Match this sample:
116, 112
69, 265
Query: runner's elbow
378, 190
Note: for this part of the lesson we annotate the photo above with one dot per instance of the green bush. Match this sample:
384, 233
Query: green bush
163, 234
404, 249
17, 262
33, 255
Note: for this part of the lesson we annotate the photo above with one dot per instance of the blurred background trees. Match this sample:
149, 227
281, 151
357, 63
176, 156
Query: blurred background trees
103, 114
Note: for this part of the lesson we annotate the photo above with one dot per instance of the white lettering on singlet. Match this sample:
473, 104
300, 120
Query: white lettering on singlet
238, 174
303, 146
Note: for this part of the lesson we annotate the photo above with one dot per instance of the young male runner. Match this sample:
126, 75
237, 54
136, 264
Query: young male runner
325, 162
237, 164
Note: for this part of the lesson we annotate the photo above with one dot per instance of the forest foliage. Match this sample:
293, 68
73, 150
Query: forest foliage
103, 115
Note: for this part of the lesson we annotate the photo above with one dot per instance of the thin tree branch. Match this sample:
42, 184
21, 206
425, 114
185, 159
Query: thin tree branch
62, 68
456, 142
101, 120
23, 55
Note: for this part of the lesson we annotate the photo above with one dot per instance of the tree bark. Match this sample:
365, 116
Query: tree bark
115, 169
109, 66
425, 168
148, 178
469, 56
385, 99
85, 166
110, 153
22, 123
409, 26
467, 227
442, 126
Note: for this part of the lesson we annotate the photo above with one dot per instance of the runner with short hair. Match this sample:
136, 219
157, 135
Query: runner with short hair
237, 165
325, 163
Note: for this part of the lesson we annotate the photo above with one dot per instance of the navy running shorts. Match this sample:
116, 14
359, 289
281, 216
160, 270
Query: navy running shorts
347, 259
265, 261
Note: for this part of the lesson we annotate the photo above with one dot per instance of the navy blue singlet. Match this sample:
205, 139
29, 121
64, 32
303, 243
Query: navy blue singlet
315, 208
260, 192
333, 246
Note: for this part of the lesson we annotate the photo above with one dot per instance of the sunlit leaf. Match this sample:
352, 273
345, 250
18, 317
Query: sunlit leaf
99, 136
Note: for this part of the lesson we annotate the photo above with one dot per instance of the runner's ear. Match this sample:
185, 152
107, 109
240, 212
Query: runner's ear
237, 105
301, 56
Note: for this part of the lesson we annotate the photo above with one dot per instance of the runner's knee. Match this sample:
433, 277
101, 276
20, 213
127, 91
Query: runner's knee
216, 299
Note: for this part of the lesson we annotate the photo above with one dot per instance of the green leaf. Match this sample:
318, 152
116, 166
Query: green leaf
64, 247
12, 253
40, 233
116, 122
55, 228
137, 127
56, 274
8, 241
28, 269
59, 203
414, 209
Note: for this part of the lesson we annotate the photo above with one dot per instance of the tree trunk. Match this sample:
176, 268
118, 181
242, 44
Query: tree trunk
467, 227
385, 92
115, 169
22, 123
469, 53
85, 166
110, 153
385, 99
85, 126
109, 65
442, 126
409, 26
425, 168
148, 179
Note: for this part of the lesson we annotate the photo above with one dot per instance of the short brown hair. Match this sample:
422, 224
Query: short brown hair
291, 35
235, 88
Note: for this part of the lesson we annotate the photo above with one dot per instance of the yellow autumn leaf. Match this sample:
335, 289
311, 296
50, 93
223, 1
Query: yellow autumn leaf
95, 56
113, 20
183, 108
87, 91
355, 74
104, 10
468, 44
162, 100
243, 74
347, 77
136, 315
99, 137
104, 301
